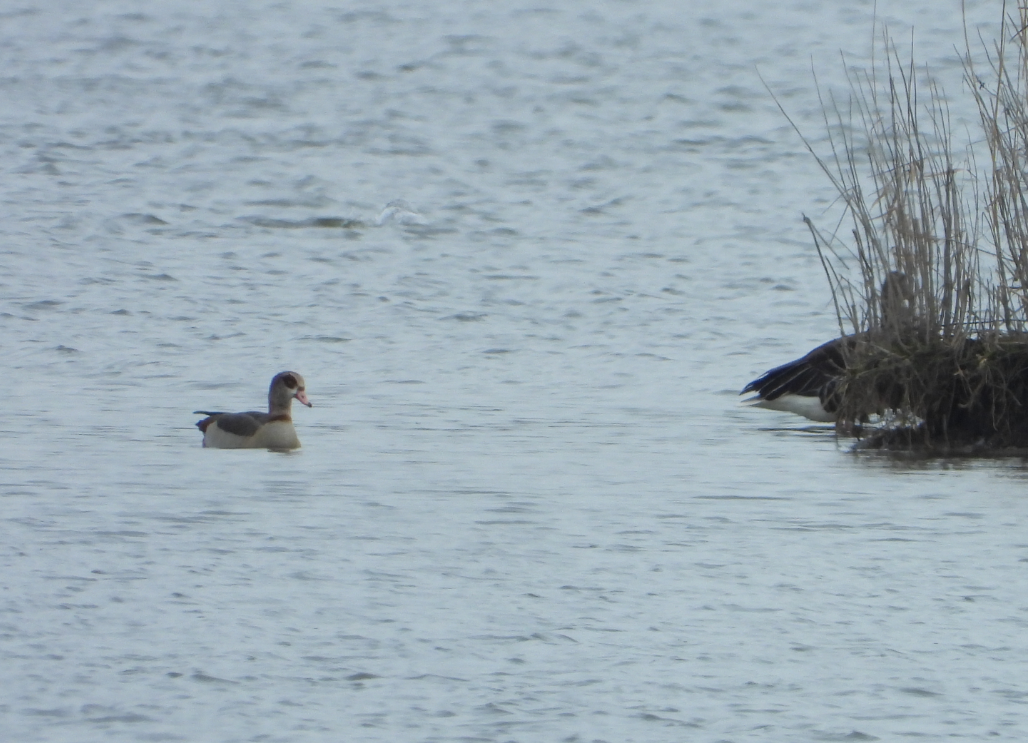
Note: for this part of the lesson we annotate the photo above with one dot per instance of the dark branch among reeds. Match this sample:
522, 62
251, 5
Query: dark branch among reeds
951, 369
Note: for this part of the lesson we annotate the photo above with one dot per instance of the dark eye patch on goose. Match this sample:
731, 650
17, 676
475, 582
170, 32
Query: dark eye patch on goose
289, 381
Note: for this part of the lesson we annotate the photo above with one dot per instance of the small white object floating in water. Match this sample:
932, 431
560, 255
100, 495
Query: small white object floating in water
400, 212
256, 430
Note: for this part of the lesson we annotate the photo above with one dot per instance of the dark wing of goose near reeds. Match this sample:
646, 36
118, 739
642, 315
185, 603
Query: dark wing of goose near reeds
808, 386
804, 386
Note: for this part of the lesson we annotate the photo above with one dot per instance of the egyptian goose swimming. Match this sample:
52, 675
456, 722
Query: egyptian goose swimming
807, 385
255, 430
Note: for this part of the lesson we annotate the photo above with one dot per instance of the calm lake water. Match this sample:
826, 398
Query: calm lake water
528, 506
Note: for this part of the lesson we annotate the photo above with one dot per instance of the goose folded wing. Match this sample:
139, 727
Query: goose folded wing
806, 376
238, 424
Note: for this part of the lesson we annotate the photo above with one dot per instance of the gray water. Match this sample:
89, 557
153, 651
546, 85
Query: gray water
528, 506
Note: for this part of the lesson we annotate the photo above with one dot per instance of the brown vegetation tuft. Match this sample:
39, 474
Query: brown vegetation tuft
950, 369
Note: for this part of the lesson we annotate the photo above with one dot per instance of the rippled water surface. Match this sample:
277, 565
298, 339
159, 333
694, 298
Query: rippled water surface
528, 507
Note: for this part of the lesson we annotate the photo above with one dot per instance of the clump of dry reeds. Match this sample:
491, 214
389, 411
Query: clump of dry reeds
951, 368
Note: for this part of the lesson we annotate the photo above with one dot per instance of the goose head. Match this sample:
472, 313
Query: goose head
284, 387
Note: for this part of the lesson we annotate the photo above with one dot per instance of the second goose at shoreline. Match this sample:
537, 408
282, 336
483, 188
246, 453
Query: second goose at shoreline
807, 385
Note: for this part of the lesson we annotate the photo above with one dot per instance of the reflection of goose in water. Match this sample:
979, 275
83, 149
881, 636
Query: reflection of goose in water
806, 386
